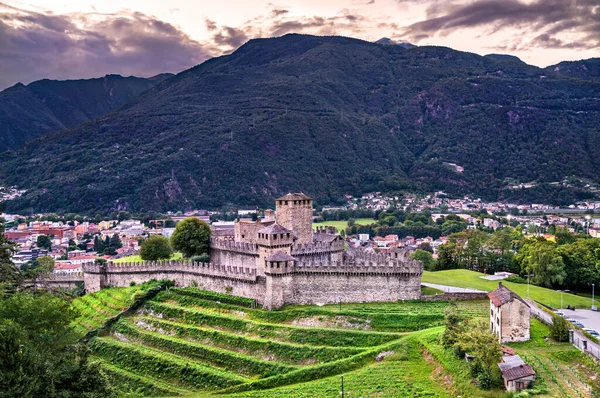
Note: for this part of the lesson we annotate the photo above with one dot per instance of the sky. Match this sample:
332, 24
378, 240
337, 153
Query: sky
71, 39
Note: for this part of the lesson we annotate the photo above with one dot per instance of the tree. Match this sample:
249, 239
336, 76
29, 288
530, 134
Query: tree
453, 322
351, 222
539, 257
425, 257
123, 215
156, 247
191, 237
479, 341
559, 330
44, 242
40, 356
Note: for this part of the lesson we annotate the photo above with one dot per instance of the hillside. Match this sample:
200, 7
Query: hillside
586, 69
327, 116
45, 106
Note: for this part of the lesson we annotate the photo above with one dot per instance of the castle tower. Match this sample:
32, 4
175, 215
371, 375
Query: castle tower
294, 212
271, 239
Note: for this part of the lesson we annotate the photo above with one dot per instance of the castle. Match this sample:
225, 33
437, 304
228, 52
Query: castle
279, 260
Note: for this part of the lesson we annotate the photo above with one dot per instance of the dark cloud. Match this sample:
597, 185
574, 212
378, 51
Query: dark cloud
279, 12
210, 25
35, 46
231, 37
548, 18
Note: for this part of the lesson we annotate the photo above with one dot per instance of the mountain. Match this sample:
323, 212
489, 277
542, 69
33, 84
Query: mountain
326, 116
390, 42
46, 106
586, 69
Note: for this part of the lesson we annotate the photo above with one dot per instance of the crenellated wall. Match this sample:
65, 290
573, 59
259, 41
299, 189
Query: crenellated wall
322, 272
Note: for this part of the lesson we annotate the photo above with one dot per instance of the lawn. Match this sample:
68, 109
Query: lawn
138, 259
342, 225
471, 279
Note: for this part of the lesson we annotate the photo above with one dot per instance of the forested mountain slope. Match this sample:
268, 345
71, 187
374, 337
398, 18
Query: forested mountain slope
45, 106
327, 116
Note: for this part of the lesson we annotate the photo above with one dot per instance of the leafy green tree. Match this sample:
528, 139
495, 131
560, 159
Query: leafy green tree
425, 257
351, 222
453, 322
191, 237
478, 340
44, 242
40, 357
156, 247
539, 257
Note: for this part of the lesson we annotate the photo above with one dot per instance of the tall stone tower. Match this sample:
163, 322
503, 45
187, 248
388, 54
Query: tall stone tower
294, 212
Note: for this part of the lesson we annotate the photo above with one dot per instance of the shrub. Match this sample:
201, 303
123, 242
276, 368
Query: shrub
516, 279
559, 330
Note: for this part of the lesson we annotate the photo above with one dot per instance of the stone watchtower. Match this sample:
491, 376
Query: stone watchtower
294, 212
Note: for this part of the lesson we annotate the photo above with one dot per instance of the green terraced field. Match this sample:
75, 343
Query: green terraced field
186, 341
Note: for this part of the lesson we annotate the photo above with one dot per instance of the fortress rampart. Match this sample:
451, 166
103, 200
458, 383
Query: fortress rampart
278, 262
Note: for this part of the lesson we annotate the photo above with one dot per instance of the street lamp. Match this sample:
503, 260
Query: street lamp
593, 297
340, 300
528, 275
561, 297
508, 220
587, 223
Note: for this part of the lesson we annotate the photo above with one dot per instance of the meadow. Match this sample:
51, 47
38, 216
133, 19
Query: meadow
138, 259
342, 224
471, 279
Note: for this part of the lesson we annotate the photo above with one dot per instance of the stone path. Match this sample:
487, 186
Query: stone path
452, 289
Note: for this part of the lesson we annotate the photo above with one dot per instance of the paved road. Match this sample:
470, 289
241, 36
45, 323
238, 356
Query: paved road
587, 317
451, 289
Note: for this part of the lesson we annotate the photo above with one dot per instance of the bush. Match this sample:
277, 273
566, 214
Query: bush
559, 330
202, 258
516, 279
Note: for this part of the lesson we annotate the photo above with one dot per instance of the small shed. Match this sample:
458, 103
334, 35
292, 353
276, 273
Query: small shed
517, 374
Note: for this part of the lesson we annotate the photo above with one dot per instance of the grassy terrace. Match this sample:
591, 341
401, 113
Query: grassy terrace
342, 225
96, 308
183, 343
138, 259
471, 279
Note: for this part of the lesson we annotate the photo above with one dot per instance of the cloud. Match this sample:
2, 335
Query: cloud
577, 21
278, 12
231, 37
35, 45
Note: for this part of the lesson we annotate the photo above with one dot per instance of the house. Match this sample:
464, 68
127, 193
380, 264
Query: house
66, 267
517, 374
509, 315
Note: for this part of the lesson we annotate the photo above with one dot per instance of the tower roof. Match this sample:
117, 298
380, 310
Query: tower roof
295, 196
274, 229
280, 256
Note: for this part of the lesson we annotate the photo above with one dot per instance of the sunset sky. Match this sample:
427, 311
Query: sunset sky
82, 39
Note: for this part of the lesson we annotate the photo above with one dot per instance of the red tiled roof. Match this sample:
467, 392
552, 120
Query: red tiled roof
518, 372
503, 295
61, 266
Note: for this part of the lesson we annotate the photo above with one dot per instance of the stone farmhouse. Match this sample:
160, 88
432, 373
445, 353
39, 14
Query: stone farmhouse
509, 315
280, 260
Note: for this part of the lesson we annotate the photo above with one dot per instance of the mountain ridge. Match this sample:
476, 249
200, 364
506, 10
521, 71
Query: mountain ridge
327, 116
45, 106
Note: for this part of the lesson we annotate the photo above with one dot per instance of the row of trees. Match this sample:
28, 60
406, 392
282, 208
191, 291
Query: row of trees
191, 237
569, 261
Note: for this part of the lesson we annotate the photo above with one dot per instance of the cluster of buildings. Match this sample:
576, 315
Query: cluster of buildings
386, 244
440, 200
9, 193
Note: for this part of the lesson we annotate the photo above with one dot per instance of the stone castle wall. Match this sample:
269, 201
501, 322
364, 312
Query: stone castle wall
300, 285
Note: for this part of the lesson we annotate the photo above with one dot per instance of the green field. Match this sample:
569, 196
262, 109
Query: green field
342, 225
471, 279
187, 341
138, 259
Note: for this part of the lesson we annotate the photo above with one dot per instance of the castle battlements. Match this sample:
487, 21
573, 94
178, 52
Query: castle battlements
317, 247
173, 266
231, 245
65, 277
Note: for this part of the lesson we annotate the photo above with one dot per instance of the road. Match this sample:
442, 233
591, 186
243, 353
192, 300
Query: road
452, 289
587, 317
